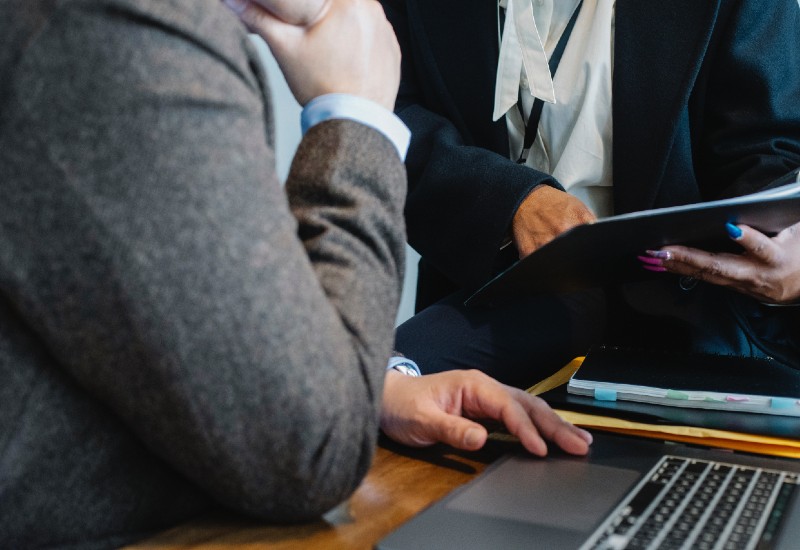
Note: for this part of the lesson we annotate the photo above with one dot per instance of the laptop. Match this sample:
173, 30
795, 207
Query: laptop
627, 493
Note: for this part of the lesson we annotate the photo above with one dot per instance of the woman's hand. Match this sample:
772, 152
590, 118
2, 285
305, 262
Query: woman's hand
438, 407
768, 269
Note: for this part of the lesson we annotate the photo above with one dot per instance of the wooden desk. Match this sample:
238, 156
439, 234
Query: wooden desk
400, 483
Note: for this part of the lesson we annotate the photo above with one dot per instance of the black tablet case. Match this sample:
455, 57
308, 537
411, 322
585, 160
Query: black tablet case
605, 252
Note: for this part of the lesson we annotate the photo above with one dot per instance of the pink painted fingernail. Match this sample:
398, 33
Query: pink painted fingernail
656, 268
661, 254
650, 261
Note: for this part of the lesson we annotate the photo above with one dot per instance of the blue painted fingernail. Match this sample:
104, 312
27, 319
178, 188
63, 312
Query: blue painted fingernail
733, 231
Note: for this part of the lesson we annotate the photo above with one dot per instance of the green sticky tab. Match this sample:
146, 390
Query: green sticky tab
602, 394
674, 394
782, 403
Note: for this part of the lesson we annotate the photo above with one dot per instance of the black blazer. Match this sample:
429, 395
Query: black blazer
706, 104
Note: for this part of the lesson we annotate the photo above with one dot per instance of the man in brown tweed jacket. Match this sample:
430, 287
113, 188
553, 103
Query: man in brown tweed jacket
176, 330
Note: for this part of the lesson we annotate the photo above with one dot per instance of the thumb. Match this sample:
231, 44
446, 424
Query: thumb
457, 431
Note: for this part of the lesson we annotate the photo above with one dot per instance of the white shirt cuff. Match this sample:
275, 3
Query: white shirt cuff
369, 113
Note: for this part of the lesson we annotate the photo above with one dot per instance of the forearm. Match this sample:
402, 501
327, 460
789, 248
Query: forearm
346, 189
463, 188
462, 198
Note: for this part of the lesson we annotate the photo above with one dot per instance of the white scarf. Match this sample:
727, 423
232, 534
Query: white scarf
521, 48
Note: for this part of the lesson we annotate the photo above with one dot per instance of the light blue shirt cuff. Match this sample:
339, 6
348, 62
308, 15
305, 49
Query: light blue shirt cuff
369, 113
404, 361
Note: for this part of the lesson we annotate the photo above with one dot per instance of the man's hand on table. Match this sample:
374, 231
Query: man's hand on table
435, 408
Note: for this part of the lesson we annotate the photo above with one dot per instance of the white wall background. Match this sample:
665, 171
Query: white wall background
287, 129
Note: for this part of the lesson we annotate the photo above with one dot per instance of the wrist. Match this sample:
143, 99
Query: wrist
390, 416
361, 110
404, 366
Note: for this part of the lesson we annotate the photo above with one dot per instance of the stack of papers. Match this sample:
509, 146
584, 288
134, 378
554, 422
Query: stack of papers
737, 441
700, 435
689, 380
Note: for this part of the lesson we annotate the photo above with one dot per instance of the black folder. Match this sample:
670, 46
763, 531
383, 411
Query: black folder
604, 252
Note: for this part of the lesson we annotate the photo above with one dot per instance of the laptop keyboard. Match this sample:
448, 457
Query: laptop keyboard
688, 503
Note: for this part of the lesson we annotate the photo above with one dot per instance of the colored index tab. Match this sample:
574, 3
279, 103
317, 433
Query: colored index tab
781, 403
674, 394
737, 399
602, 394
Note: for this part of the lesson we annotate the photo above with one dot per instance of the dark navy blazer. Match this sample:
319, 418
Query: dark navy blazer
706, 104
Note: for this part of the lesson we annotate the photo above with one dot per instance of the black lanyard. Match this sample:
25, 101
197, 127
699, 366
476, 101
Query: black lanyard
532, 127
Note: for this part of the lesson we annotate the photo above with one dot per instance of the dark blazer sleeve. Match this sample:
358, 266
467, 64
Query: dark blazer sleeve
705, 99
463, 189
745, 105
240, 330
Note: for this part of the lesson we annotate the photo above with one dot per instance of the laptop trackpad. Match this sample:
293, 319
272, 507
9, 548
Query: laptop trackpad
564, 494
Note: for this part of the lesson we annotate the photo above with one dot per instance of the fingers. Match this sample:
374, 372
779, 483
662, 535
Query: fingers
293, 12
328, 46
755, 243
525, 416
440, 407
768, 269
552, 427
482, 398
715, 268
719, 269
457, 431
257, 18
237, 6
426, 410
518, 420
260, 20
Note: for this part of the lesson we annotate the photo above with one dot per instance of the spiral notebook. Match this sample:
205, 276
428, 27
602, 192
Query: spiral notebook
689, 380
